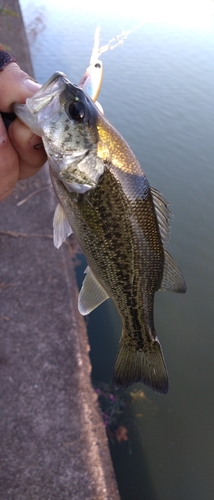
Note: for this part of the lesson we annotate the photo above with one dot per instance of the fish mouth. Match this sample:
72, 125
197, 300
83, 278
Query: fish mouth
33, 112
52, 80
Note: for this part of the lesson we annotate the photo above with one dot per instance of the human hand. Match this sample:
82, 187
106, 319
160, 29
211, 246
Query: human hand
21, 152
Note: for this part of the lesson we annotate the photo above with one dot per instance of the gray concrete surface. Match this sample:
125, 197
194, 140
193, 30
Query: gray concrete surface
53, 442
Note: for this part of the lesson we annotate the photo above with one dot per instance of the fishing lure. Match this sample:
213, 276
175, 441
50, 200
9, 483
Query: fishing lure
91, 81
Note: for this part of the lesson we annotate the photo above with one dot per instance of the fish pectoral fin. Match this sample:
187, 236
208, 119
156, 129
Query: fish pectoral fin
141, 365
61, 226
173, 280
91, 294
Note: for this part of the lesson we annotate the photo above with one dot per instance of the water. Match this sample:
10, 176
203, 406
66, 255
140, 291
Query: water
158, 91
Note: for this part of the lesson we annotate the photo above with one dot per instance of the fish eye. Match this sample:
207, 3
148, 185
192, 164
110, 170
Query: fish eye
97, 65
76, 111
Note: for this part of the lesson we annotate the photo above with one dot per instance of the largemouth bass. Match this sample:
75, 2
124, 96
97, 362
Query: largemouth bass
120, 222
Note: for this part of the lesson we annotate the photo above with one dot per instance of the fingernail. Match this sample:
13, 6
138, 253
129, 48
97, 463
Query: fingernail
32, 85
3, 133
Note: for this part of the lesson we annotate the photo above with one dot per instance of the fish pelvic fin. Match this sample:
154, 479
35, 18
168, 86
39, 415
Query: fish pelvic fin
61, 227
141, 365
172, 280
91, 294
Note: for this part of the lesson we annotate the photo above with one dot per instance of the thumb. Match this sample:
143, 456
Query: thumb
16, 86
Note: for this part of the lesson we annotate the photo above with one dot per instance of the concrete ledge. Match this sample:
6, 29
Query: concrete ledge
53, 442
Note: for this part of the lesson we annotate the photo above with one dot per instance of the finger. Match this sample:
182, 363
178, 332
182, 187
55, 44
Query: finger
16, 86
9, 163
29, 147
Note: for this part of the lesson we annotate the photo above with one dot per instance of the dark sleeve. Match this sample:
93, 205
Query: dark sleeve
5, 59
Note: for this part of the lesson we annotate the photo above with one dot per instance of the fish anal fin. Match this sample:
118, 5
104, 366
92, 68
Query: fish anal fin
163, 214
141, 365
91, 294
61, 226
172, 280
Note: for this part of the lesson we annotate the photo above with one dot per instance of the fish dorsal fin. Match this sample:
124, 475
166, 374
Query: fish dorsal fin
61, 226
163, 214
173, 280
91, 294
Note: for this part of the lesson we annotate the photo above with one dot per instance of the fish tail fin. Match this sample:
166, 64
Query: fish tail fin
141, 365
